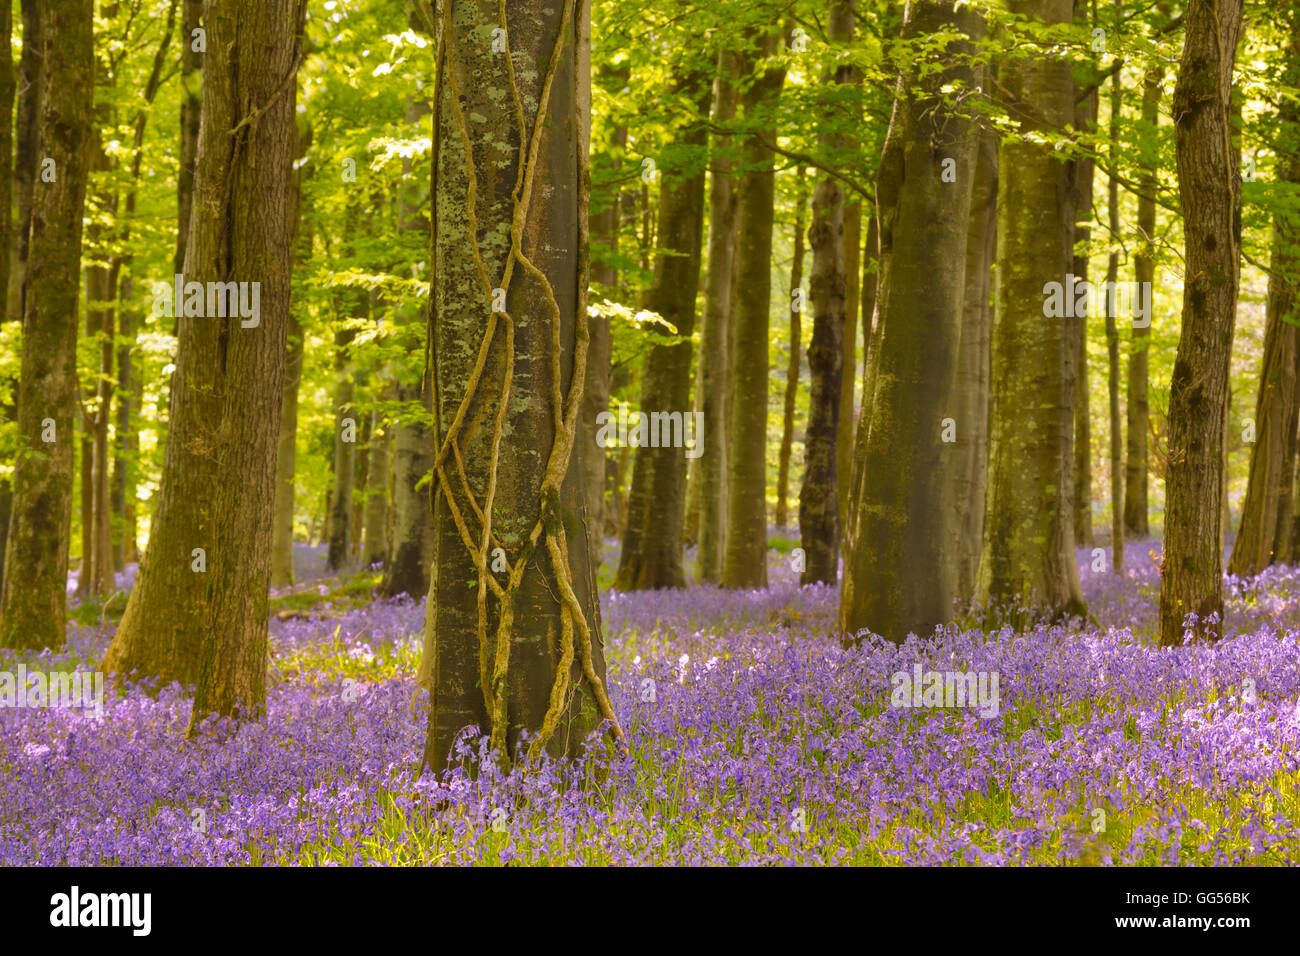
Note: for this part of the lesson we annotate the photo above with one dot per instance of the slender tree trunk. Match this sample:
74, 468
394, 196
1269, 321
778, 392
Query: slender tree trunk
1112, 340
524, 653
1144, 269
191, 100
376, 518
792, 368
711, 388
1209, 185
345, 450
819, 493
907, 468
8, 84
199, 607
33, 597
604, 243
410, 545
744, 562
973, 369
27, 149
652, 539
849, 376
1028, 560
1080, 174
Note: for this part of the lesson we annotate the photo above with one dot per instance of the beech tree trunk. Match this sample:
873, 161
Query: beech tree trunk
376, 509
1028, 560
744, 563
973, 370
198, 611
905, 477
1265, 535
1137, 408
523, 654
1112, 341
346, 431
33, 597
1209, 184
711, 389
652, 539
792, 367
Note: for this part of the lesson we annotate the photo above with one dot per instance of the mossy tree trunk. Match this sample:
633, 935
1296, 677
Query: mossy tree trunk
33, 597
903, 531
1028, 560
1209, 184
201, 615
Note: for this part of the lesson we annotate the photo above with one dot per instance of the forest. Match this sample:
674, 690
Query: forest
648, 432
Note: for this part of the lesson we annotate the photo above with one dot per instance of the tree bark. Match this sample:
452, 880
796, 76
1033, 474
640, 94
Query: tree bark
346, 429
973, 369
744, 562
1137, 411
792, 367
652, 539
1209, 185
1112, 339
376, 514
903, 532
1028, 560
711, 388
218, 482
33, 597
1265, 535
523, 654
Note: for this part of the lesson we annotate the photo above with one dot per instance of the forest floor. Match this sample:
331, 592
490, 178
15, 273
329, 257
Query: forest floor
760, 740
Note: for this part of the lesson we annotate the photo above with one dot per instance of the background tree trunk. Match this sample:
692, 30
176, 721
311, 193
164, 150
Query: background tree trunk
744, 562
1209, 185
33, 597
652, 539
792, 367
1137, 409
376, 514
711, 388
1112, 339
1265, 536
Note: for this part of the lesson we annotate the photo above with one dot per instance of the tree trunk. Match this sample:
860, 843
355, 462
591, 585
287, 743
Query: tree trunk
973, 369
33, 598
792, 368
531, 658
1209, 185
849, 374
1028, 559
604, 229
906, 473
652, 539
8, 84
1265, 536
711, 388
376, 517
744, 562
198, 611
1144, 271
1112, 339
29, 136
1080, 174
191, 93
